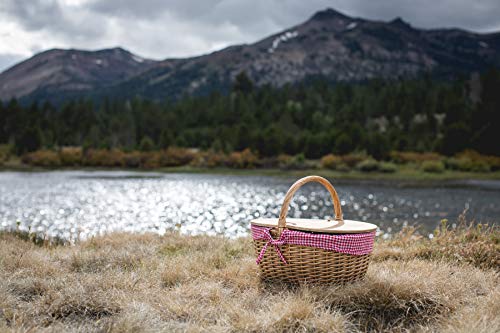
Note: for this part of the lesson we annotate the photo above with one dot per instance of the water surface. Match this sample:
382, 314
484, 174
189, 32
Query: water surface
72, 204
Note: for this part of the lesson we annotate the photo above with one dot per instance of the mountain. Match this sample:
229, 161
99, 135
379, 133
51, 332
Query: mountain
329, 45
70, 72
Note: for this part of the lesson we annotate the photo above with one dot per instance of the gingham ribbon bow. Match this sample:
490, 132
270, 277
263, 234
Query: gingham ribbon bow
277, 243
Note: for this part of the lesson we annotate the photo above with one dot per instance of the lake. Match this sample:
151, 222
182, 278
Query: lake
71, 204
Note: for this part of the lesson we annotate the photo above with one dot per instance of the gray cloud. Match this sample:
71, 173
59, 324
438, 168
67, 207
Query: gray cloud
50, 16
177, 28
7, 60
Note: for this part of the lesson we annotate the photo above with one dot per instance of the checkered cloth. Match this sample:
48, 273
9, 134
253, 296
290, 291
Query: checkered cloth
355, 244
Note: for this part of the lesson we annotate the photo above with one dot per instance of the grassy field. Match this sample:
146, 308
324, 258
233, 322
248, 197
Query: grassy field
149, 283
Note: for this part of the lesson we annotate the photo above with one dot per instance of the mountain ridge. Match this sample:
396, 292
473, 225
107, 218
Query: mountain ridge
329, 44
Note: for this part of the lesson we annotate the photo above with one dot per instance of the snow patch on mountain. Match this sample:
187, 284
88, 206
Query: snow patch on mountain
282, 38
137, 58
351, 26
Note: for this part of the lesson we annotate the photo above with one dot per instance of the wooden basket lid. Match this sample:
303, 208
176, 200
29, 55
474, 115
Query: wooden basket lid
319, 226
336, 226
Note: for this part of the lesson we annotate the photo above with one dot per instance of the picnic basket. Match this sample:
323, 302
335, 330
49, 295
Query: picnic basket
312, 251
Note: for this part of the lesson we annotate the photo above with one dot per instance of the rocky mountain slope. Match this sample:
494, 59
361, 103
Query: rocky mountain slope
70, 72
330, 45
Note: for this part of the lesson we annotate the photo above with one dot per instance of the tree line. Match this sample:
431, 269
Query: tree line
314, 118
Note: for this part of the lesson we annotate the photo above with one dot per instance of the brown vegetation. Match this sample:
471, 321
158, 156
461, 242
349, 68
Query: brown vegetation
146, 283
467, 161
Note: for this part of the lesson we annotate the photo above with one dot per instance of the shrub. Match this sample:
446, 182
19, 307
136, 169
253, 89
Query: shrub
481, 166
242, 160
5, 151
300, 158
433, 166
71, 156
388, 167
174, 156
43, 158
368, 165
353, 159
297, 162
472, 161
331, 161
209, 159
132, 159
465, 164
404, 157
215, 159
146, 144
104, 158
342, 167
284, 161
151, 160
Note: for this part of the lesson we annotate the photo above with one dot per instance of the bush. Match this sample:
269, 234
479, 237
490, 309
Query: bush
300, 158
353, 159
242, 160
5, 151
151, 160
174, 156
433, 166
342, 167
287, 162
388, 167
71, 156
42, 158
284, 161
331, 161
104, 158
472, 161
404, 157
209, 159
132, 159
146, 144
465, 164
368, 165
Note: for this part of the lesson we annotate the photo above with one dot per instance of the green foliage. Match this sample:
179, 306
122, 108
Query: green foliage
433, 166
315, 119
30, 139
146, 144
401, 157
378, 146
387, 167
353, 159
5, 152
368, 165
343, 144
243, 83
331, 161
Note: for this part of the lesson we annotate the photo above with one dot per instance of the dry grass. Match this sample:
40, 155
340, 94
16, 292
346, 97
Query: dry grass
148, 283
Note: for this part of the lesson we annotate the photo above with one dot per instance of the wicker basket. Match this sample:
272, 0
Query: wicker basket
294, 263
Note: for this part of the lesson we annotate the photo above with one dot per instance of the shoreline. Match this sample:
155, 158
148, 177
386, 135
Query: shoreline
401, 175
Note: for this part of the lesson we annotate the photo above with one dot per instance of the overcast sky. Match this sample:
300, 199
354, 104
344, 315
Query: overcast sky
161, 29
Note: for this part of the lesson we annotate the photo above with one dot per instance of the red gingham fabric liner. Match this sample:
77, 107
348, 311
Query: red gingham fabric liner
355, 244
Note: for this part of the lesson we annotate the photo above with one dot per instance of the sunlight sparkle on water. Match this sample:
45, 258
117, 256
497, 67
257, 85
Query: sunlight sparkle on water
73, 204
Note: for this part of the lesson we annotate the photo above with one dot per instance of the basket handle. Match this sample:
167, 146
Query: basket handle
296, 186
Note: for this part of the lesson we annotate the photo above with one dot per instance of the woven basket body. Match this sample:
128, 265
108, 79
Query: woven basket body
306, 264
311, 265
